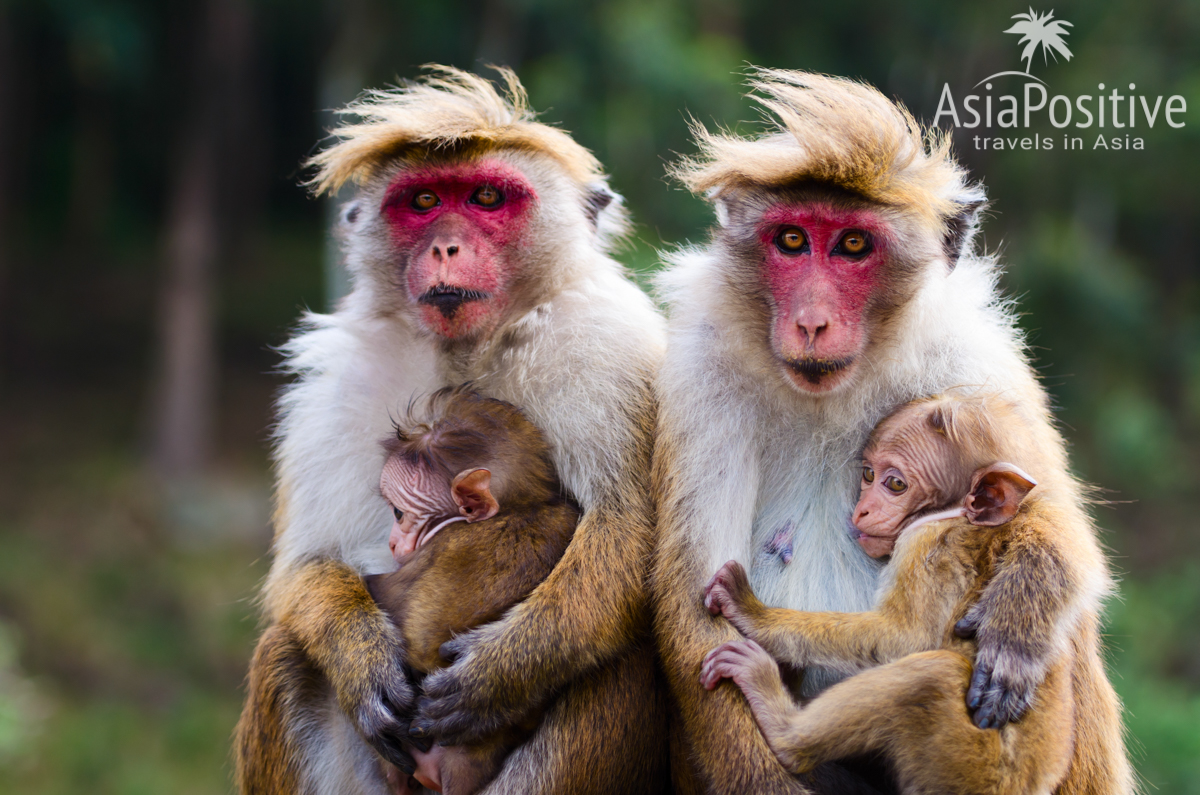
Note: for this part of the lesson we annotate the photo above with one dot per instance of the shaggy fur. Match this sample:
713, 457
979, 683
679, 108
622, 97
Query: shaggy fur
745, 462
910, 705
577, 352
834, 131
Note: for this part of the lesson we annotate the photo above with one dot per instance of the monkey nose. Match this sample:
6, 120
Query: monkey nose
810, 329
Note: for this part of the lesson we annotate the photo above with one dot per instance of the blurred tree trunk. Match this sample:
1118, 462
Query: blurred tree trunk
196, 237
8, 122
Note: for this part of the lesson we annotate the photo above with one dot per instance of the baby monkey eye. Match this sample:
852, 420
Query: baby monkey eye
868, 474
425, 200
854, 243
895, 484
487, 196
790, 240
399, 514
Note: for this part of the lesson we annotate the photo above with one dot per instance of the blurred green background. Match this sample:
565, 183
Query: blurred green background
154, 246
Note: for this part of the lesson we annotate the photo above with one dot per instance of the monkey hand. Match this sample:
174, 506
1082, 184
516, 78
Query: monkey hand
743, 661
468, 701
376, 694
1005, 678
729, 594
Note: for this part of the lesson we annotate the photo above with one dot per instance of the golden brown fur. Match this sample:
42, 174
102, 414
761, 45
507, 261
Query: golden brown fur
577, 352
833, 131
470, 574
449, 111
741, 452
910, 702
910, 705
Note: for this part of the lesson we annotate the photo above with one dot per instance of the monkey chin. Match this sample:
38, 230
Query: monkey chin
818, 376
465, 322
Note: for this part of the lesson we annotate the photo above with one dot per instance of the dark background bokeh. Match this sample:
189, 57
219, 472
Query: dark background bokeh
154, 246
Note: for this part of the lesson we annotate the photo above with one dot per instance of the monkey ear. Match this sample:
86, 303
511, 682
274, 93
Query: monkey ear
472, 492
961, 226
351, 211
605, 211
996, 494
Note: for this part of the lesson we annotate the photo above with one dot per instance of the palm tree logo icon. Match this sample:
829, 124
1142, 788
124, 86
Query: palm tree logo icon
1038, 30
1041, 31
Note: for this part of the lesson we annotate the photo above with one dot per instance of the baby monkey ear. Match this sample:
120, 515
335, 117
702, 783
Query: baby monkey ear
996, 494
472, 492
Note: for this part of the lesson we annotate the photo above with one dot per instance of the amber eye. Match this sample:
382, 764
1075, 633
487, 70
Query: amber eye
425, 200
854, 243
895, 484
790, 240
399, 514
868, 474
487, 196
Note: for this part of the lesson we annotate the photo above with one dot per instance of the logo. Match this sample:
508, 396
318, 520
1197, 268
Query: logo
1038, 30
1032, 107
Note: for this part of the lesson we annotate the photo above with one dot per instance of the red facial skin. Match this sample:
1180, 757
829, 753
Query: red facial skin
458, 244
821, 295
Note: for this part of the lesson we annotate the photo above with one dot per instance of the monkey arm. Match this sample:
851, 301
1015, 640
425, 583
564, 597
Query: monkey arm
589, 610
844, 642
1027, 612
355, 645
722, 741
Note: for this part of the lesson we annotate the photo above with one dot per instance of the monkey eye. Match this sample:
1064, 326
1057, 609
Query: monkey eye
895, 484
487, 196
868, 473
791, 240
399, 514
425, 200
854, 244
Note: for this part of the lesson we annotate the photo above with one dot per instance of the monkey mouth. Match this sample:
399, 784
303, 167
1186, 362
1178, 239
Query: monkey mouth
813, 370
447, 298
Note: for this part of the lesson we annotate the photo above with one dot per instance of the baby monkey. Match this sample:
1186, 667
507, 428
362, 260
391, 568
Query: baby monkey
944, 492
481, 520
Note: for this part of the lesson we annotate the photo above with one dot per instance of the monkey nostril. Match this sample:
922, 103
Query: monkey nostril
451, 251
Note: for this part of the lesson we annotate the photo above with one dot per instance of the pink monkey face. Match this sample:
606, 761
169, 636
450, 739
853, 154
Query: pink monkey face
822, 266
460, 228
886, 501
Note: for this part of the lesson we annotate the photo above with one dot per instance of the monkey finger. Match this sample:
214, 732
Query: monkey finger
454, 648
966, 627
980, 680
392, 748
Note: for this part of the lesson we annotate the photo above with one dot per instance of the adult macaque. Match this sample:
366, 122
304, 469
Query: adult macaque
942, 495
481, 520
477, 245
840, 283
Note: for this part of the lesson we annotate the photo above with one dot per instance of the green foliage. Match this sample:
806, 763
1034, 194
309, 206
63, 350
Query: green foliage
1155, 654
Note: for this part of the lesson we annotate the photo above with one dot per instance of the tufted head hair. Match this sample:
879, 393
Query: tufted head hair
838, 132
448, 111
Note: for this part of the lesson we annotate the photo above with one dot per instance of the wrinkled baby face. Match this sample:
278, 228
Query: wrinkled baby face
908, 470
419, 498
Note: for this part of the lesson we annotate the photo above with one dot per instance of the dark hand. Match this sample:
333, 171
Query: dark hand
382, 711
1005, 679
464, 703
